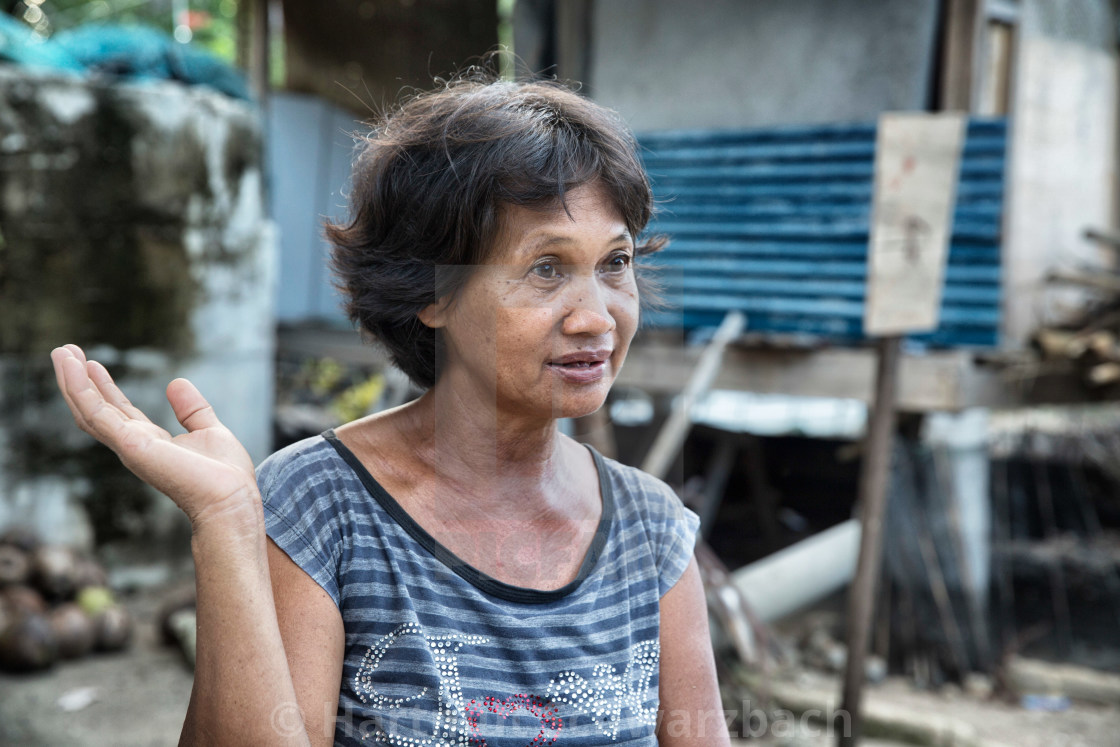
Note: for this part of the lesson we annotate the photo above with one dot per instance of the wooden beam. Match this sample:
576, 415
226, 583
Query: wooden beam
959, 54
936, 380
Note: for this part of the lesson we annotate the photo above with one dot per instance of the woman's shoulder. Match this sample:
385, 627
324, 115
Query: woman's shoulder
648, 512
298, 461
636, 490
307, 492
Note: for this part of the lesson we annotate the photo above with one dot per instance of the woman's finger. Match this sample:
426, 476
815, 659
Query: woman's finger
111, 392
191, 408
75, 351
68, 350
58, 358
98, 418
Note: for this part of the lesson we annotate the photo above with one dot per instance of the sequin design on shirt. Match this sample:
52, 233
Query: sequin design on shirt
550, 723
450, 728
607, 693
602, 698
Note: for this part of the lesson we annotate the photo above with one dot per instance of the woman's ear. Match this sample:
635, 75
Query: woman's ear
434, 315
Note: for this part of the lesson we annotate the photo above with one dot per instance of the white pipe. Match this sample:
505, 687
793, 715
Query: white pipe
801, 574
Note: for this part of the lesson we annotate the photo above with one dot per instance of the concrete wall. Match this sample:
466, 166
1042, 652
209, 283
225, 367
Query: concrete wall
667, 64
1062, 174
133, 223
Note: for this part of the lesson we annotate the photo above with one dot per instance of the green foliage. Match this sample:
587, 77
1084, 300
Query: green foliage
322, 375
348, 392
356, 401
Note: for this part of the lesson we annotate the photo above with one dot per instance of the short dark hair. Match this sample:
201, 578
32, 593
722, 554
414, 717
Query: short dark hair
431, 179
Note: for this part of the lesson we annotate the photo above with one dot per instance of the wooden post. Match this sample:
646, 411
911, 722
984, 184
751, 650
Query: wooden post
961, 21
874, 478
917, 160
673, 433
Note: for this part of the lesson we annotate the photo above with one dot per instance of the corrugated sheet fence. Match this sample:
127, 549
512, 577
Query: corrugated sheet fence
775, 223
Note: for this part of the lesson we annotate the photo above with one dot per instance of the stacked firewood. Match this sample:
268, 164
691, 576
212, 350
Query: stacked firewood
54, 604
1089, 340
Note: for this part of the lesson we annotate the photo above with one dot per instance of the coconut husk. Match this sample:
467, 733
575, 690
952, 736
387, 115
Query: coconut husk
73, 630
28, 644
15, 566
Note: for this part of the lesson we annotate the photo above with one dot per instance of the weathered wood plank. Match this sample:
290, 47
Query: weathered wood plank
943, 380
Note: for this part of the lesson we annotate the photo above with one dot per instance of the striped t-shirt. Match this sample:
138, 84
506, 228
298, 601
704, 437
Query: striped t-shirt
439, 654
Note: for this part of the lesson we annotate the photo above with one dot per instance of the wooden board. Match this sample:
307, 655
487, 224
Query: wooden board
917, 161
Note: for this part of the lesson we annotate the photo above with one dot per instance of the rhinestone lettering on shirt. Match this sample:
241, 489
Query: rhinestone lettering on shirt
608, 692
569, 695
450, 724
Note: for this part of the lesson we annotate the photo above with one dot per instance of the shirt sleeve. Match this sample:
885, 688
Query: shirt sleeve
669, 526
676, 539
301, 514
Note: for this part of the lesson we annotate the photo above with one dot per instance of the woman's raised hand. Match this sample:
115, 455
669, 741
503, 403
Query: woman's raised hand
206, 470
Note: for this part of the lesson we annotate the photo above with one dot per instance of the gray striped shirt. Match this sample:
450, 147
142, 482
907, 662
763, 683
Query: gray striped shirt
440, 654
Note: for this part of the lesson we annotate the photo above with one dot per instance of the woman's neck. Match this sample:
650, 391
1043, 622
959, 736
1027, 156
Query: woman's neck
488, 436
519, 504
490, 456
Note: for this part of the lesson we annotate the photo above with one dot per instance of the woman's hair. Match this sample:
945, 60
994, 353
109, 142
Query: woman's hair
431, 180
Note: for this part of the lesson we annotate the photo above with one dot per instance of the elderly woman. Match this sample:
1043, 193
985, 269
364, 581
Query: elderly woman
455, 571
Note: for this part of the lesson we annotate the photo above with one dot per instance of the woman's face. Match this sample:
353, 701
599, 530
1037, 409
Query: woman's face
543, 328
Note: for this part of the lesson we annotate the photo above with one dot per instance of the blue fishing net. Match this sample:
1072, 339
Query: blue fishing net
149, 53
129, 51
20, 45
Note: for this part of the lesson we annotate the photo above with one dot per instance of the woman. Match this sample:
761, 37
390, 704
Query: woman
454, 571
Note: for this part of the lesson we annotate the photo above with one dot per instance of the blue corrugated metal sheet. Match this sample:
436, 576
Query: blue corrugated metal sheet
775, 223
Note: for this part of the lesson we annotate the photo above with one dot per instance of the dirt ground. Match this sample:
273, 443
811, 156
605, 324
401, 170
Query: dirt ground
139, 698
951, 718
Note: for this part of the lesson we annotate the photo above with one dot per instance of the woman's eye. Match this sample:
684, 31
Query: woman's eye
618, 263
546, 270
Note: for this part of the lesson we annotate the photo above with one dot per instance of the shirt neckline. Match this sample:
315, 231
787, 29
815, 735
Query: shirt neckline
467, 572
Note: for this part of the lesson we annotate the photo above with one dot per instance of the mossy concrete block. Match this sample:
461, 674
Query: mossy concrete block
115, 201
133, 223
142, 151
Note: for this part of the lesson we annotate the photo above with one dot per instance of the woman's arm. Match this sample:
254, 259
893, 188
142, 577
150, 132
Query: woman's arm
243, 689
314, 641
691, 714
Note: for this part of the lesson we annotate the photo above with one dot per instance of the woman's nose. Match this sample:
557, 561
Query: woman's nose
587, 313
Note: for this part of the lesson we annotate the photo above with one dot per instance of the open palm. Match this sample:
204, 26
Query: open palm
206, 470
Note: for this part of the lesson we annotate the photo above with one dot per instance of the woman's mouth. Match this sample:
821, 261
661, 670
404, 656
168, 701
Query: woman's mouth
581, 368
